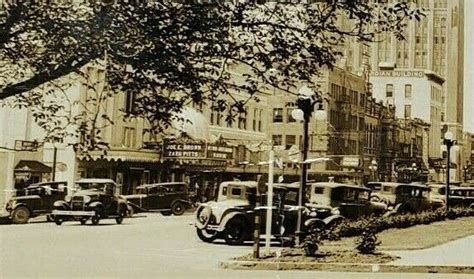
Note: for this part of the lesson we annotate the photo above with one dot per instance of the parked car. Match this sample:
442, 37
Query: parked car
95, 199
331, 202
38, 200
167, 198
232, 215
461, 196
405, 197
438, 192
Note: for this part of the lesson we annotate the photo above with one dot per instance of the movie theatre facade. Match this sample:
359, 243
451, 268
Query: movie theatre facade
202, 149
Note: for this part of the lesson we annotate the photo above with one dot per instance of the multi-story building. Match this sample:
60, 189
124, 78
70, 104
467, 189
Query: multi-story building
435, 46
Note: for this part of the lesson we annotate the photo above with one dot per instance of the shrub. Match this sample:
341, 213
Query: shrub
349, 228
367, 242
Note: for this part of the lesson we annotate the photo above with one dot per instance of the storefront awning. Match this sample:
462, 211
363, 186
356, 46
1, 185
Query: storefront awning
32, 167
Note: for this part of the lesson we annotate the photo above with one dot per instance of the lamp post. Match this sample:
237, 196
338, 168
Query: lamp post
449, 142
373, 168
306, 101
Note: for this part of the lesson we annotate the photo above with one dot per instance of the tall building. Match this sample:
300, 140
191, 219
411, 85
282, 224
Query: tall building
434, 48
435, 43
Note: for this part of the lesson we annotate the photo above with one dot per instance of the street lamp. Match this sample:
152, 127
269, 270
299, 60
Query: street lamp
306, 101
449, 142
373, 168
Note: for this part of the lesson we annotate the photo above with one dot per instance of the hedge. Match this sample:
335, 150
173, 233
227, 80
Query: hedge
349, 228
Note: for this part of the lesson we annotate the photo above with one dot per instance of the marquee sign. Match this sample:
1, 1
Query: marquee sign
197, 151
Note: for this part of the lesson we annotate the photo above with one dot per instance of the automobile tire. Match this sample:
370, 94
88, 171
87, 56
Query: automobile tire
83, 221
206, 236
20, 215
177, 208
166, 213
96, 218
58, 220
119, 219
235, 232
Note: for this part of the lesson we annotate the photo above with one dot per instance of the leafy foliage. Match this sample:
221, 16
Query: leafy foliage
350, 228
367, 242
171, 54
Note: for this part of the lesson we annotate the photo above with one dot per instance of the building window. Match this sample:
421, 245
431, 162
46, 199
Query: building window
129, 137
260, 125
277, 115
407, 90
407, 111
242, 121
290, 140
442, 117
130, 98
254, 120
277, 140
290, 117
389, 91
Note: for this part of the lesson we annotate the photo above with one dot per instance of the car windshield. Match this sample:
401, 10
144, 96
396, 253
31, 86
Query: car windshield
93, 186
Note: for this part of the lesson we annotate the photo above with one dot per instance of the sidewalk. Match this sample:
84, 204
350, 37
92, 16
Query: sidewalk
458, 252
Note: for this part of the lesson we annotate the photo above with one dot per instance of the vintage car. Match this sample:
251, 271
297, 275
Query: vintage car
331, 202
95, 199
167, 198
38, 200
232, 216
405, 198
461, 196
438, 192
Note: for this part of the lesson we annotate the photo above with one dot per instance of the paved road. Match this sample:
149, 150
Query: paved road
150, 247
458, 252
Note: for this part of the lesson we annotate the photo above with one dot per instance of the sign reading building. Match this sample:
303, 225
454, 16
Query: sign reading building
415, 74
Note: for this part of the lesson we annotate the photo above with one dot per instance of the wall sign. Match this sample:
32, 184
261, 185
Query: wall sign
197, 151
416, 74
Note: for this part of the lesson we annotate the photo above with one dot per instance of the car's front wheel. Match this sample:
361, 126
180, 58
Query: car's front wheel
206, 235
96, 218
119, 219
235, 232
177, 208
21, 215
58, 220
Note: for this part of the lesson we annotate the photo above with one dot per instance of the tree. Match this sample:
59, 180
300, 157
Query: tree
170, 54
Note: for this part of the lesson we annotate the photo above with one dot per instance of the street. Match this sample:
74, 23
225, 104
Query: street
147, 246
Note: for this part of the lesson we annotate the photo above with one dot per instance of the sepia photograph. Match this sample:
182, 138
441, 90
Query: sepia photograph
237, 139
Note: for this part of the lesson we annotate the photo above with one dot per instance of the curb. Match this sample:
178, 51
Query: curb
345, 267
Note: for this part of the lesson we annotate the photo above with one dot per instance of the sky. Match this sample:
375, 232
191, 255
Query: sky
469, 66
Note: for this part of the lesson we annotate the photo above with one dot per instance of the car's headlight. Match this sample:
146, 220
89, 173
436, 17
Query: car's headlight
313, 213
336, 211
87, 199
68, 198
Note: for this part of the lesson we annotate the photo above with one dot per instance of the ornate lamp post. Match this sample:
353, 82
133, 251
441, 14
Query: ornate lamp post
307, 99
373, 168
449, 142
